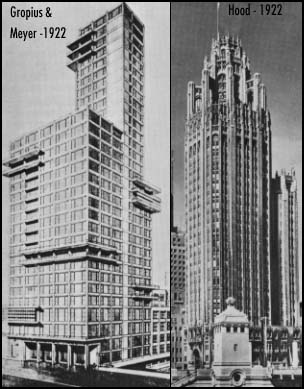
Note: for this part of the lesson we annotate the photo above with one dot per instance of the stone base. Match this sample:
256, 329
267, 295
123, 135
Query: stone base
257, 376
248, 384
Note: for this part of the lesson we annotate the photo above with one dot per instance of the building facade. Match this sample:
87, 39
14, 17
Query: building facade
284, 259
160, 321
80, 249
179, 338
235, 345
253, 356
178, 268
227, 188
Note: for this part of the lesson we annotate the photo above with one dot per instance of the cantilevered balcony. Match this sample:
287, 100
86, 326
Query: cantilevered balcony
31, 196
81, 49
143, 297
82, 39
144, 196
81, 58
23, 168
104, 254
147, 187
31, 155
49, 260
32, 229
32, 238
24, 315
141, 286
31, 217
147, 202
31, 185
32, 206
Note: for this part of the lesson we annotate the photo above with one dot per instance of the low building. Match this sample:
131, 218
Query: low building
179, 340
235, 353
160, 322
232, 352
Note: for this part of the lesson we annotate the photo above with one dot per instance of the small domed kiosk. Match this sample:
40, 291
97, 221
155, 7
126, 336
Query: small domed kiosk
232, 351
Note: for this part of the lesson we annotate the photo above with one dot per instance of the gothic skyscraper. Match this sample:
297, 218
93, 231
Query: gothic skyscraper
227, 187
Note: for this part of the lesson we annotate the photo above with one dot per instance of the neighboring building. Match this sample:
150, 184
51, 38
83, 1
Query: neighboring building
5, 344
179, 338
160, 297
177, 257
80, 248
283, 345
178, 268
284, 256
232, 353
227, 188
160, 320
246, 355
172, 228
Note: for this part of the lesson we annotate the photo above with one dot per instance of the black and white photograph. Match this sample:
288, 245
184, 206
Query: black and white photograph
236, 141
86, 174
152, 194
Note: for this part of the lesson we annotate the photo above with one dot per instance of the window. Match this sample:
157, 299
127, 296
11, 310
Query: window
77, 227
93, 190
93, 202
93, 300
93, 214
93, 166
94, 154
106, 137
93, 314
94, 179
93, 227
105, 161
94, 141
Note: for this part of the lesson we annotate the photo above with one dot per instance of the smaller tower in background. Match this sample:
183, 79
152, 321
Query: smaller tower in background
284, 258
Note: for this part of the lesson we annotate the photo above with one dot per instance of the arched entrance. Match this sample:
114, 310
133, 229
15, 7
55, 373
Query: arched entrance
196, 359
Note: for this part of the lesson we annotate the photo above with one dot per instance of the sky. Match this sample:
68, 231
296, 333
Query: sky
274, 47
37, 87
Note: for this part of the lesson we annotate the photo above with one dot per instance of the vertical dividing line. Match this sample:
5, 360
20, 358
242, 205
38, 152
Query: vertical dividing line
171, 217
217, 21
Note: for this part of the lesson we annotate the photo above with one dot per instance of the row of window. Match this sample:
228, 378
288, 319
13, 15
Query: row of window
46, 132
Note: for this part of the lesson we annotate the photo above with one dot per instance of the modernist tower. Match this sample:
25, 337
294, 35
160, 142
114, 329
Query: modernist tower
80, 249
227, 187
284, 258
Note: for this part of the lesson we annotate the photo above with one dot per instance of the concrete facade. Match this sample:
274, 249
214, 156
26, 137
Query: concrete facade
80, 248
160, 322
